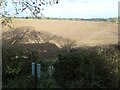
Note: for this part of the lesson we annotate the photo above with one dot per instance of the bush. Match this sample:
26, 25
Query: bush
84, 68
21, 81
17, 68
15, 61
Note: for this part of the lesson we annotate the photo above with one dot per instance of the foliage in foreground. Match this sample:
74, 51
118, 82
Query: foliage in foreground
85, 68
27, 81
16, 71
75, 68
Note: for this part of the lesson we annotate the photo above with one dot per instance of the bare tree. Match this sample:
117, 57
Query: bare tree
16, 35
41, 37
64, 42
46, 37
27, 34
34, 6
35, 36
7, 22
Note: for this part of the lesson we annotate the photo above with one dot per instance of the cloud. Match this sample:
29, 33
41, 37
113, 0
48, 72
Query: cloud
83, 8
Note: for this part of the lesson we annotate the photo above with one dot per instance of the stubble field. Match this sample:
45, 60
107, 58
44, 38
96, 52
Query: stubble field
89, 33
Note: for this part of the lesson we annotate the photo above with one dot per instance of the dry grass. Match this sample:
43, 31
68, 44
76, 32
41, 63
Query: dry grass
84, 32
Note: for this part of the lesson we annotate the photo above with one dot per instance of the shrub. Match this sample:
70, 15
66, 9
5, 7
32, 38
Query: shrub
84, 68
21, 81
15, 61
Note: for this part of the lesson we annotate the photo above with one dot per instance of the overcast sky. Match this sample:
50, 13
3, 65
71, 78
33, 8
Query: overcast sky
81, 9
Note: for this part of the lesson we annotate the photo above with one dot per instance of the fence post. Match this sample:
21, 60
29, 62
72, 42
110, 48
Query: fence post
36, 72
35, 77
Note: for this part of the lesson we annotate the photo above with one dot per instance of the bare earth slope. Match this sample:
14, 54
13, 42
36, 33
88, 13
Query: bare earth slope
84, 32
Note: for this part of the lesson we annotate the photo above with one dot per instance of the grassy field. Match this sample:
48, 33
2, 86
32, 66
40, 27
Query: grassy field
83, 32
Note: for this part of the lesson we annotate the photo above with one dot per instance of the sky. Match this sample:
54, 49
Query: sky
80, 9
83, 9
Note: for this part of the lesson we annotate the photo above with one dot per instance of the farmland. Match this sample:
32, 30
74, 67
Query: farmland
79, 67
89, 33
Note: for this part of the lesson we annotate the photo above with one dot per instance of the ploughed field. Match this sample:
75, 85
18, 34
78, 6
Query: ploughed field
89, 33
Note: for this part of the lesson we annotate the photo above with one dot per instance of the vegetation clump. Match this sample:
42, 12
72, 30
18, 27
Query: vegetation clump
84, 68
